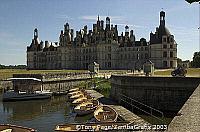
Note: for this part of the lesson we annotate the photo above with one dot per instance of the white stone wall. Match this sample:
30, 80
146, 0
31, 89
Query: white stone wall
108, 56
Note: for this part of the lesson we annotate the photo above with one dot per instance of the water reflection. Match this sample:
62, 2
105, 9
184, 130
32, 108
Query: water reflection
42, 115
26, 110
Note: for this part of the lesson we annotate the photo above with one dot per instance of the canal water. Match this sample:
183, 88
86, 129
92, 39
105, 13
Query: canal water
42, 115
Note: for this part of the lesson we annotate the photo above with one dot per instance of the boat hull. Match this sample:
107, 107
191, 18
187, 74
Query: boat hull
14, 128
20, 97
83, 112
105, 113
88, 109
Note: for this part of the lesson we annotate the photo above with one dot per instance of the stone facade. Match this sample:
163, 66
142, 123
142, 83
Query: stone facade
104, 46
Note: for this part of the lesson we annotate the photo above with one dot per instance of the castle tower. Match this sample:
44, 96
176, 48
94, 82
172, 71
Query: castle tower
66, 27
35, 38
67, 36
126, 30
162, 18
35, 33
107, 23
126, 35
102, 24
98, 24
132, 37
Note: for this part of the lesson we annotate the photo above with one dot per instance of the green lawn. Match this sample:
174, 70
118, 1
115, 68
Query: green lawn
103, 86
190, 72
6, 73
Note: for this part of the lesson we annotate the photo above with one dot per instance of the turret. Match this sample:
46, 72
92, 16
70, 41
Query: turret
46, 44
162, 18
72, 34
107, 23
126, 30
66, 27
36, 39
35, 33
102, 24
98, 24
132, 37
41, 45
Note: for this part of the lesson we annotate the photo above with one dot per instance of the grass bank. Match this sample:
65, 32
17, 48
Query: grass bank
190, 72
7, 73
103, 86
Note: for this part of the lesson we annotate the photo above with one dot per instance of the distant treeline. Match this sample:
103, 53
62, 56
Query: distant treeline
13, 67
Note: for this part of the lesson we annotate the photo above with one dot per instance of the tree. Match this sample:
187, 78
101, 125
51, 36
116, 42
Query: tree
191, 1
179, 62
196, 60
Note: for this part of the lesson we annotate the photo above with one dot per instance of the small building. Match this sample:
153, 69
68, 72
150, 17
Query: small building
186, 64
148, 68
93, 67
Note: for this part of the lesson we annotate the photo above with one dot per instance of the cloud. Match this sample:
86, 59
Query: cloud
94, 18
130, 25
115, 20
63, 16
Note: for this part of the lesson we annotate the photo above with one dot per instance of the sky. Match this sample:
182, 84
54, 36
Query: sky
18, 18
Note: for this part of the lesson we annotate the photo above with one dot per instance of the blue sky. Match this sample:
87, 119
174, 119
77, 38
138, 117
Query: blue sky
18, 18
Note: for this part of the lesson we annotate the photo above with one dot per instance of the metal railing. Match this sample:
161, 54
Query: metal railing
143, 107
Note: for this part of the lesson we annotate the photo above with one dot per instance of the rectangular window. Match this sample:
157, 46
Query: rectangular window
109, 64
105, 64
164, 46
109, 48
164, 64
171, 40
138, 56
141, 56
171, 64
146, 56
109, 56
165, 54
171, 54
171, 46
164, 39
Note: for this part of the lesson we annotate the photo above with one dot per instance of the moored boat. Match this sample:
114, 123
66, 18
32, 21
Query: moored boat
72, 98
17, 96
86, 107
79, 101
73, 90
105, 113
73, 93
14, 128
25, 94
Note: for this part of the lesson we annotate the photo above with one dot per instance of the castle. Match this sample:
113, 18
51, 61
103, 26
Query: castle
104, 46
